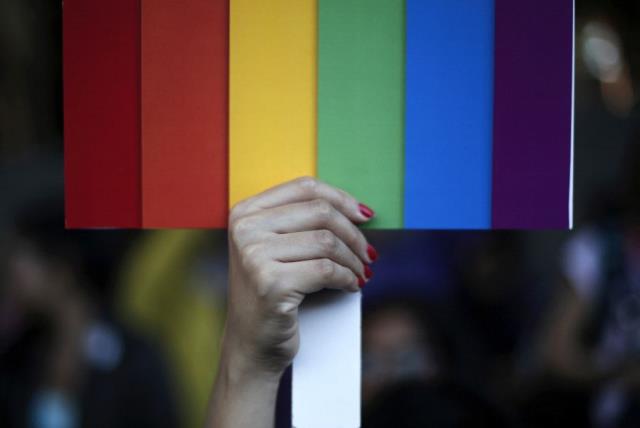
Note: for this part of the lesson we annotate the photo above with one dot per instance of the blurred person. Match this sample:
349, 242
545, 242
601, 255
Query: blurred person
622, 15
64, 360
592, 338
492, 313
399, 343
407, 373
607, 83
173, 289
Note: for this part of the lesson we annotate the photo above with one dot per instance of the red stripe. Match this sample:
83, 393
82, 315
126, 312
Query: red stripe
101, 113
184, 113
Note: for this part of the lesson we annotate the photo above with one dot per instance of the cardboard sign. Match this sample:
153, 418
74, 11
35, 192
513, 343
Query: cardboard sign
446, 115
439, 114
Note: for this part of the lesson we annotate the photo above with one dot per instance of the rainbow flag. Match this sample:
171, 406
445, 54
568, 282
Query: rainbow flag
439, 114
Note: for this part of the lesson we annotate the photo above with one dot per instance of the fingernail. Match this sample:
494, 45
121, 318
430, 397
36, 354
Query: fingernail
366, 211
368, 273
361, 282
372, 253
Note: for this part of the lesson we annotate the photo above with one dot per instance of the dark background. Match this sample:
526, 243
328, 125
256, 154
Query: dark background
523, 329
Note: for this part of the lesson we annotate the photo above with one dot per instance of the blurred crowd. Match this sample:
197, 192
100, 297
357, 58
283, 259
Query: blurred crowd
503, 329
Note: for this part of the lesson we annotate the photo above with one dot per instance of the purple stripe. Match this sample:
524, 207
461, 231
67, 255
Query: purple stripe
532, 114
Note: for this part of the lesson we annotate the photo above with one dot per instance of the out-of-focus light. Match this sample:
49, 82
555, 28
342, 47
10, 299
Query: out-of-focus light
604, 59
602, 52
103, 347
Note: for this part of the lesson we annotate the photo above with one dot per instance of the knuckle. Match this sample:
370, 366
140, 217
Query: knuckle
284, 308
239, 209
251, 256
235, 212
326, 269
308, 185
239, 226
264, 282
234, 227
252, 251
327, 240
263, 290
323, 209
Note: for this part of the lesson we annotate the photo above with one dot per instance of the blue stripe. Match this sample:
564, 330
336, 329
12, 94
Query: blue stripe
449, 114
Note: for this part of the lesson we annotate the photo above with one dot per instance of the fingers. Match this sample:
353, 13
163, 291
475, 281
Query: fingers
314, 215
302, 190
310, 276
317, 244
299, 238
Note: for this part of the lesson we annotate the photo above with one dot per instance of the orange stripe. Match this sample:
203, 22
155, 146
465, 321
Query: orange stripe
184, 113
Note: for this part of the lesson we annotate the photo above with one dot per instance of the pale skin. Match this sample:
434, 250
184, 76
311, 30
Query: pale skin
290, 241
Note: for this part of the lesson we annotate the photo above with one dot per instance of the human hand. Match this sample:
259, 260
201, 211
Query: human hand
285, 243
288, 242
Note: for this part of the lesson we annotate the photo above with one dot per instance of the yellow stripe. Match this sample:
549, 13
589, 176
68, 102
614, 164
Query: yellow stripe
272, 90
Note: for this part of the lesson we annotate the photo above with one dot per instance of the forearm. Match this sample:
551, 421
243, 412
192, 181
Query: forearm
285, 243
243, 396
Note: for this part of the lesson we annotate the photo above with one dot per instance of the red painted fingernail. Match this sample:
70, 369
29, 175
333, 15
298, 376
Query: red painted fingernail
372, 253
366, 211
368, 273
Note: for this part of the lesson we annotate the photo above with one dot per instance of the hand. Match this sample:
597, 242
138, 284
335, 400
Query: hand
290, 241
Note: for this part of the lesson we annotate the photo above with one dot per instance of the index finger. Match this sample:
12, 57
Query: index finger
305, 189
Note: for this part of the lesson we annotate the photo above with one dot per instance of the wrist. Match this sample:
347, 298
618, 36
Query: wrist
241, 365
236, 379
244, 394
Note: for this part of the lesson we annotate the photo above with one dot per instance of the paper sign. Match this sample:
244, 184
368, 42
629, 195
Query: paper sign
446, 115
326, 371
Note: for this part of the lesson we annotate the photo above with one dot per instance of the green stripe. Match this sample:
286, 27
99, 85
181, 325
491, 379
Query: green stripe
361, 103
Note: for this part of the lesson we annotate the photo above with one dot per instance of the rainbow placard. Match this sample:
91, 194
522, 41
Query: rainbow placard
439, 114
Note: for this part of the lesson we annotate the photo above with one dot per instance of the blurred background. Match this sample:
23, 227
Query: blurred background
121, 328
